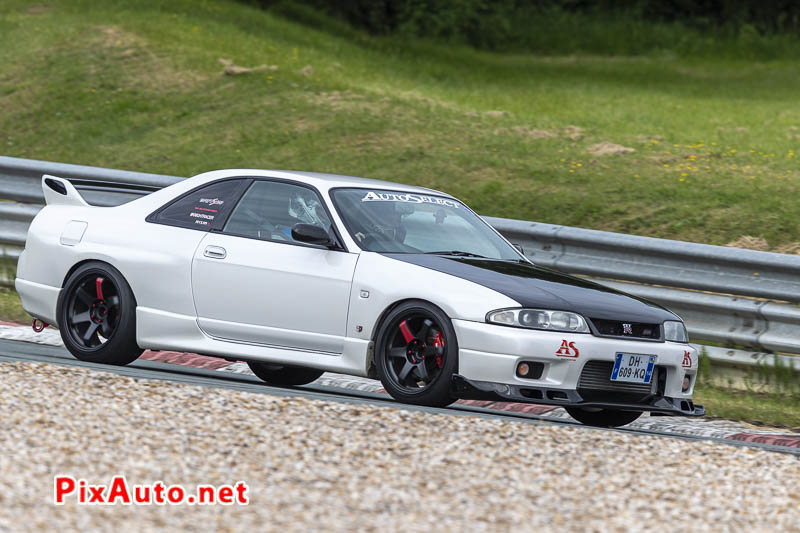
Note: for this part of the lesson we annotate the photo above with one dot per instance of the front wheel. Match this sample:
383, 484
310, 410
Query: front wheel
284, 375
416, 354
97, 316
604, 418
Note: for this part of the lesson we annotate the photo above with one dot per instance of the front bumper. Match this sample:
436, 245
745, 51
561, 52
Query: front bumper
573, 368
467, 389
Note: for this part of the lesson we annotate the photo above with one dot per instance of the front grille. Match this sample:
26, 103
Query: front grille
628, 330
596, 376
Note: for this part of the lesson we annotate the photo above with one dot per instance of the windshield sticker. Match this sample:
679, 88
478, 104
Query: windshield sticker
408, 198
212, 201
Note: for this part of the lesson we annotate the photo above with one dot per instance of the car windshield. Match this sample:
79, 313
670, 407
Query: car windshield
413, 223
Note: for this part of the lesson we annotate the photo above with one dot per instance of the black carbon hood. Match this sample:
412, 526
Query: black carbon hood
543, 288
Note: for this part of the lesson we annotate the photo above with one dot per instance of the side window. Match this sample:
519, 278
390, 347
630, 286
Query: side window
204, 208
269, 209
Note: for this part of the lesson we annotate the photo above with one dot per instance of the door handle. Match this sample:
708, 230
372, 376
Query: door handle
215, 252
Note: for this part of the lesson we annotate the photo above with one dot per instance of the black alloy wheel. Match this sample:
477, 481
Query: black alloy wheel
417, 354
93, 311
97, 316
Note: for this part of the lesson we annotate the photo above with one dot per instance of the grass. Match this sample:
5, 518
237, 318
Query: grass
11, 308
625, 33
755, 408
139, 86
765, 395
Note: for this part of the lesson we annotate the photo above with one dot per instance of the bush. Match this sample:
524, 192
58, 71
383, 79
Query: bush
480, 23
737, 28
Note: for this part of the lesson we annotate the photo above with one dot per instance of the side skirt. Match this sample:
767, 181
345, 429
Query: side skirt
161, 330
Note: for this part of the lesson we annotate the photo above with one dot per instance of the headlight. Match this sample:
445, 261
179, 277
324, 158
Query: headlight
675, 331
539, 319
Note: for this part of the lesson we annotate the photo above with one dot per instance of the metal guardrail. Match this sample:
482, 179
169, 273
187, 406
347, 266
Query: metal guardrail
20, 181
659, 261
672, 267
761, 325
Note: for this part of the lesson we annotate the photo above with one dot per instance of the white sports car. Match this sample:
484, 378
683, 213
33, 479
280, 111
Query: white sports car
299, 273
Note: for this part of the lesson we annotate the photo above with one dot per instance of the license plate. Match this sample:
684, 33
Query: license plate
633, 367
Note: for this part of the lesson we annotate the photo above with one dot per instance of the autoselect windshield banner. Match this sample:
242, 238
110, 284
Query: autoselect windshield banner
410, 198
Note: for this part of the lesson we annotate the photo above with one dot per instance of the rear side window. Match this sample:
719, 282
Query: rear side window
203, 209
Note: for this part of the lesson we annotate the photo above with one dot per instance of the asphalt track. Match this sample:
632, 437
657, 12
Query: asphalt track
12, 351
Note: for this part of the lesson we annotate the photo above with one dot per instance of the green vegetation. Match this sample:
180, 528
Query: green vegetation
140, 86
779, 377
768, 395
11, 308
741, 29
748, 406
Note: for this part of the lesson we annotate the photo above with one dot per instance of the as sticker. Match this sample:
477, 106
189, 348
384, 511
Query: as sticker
372, 196
568, 349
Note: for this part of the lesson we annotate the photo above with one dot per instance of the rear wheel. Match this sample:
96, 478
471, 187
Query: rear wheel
97, 316
606, 418
416, 354
284, 375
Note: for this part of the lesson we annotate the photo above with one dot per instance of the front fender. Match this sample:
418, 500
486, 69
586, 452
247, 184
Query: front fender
380, 282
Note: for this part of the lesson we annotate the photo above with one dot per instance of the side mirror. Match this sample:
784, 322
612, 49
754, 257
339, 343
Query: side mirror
519, 248
311, 234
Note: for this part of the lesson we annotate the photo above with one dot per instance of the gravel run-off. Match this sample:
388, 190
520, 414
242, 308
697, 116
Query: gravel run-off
342, 467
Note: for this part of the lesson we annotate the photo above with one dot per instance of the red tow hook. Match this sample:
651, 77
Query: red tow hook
38, 326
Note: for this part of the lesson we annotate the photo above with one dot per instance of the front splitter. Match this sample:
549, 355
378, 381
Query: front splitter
467, 389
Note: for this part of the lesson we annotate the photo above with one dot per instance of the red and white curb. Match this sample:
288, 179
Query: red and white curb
693, 427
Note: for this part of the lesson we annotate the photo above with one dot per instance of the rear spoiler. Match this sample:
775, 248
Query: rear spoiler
58, 191
62, 191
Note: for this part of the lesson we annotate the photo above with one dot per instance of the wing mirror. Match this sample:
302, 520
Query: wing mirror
311, 234
519, 248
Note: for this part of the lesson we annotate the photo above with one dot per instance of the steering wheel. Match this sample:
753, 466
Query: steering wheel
375, 237
261, 223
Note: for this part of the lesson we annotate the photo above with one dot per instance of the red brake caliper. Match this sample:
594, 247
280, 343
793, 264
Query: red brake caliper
438, 342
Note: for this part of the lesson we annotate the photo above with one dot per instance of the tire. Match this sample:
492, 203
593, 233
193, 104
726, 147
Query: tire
416, 354
284, 375
97, 316
604, 418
